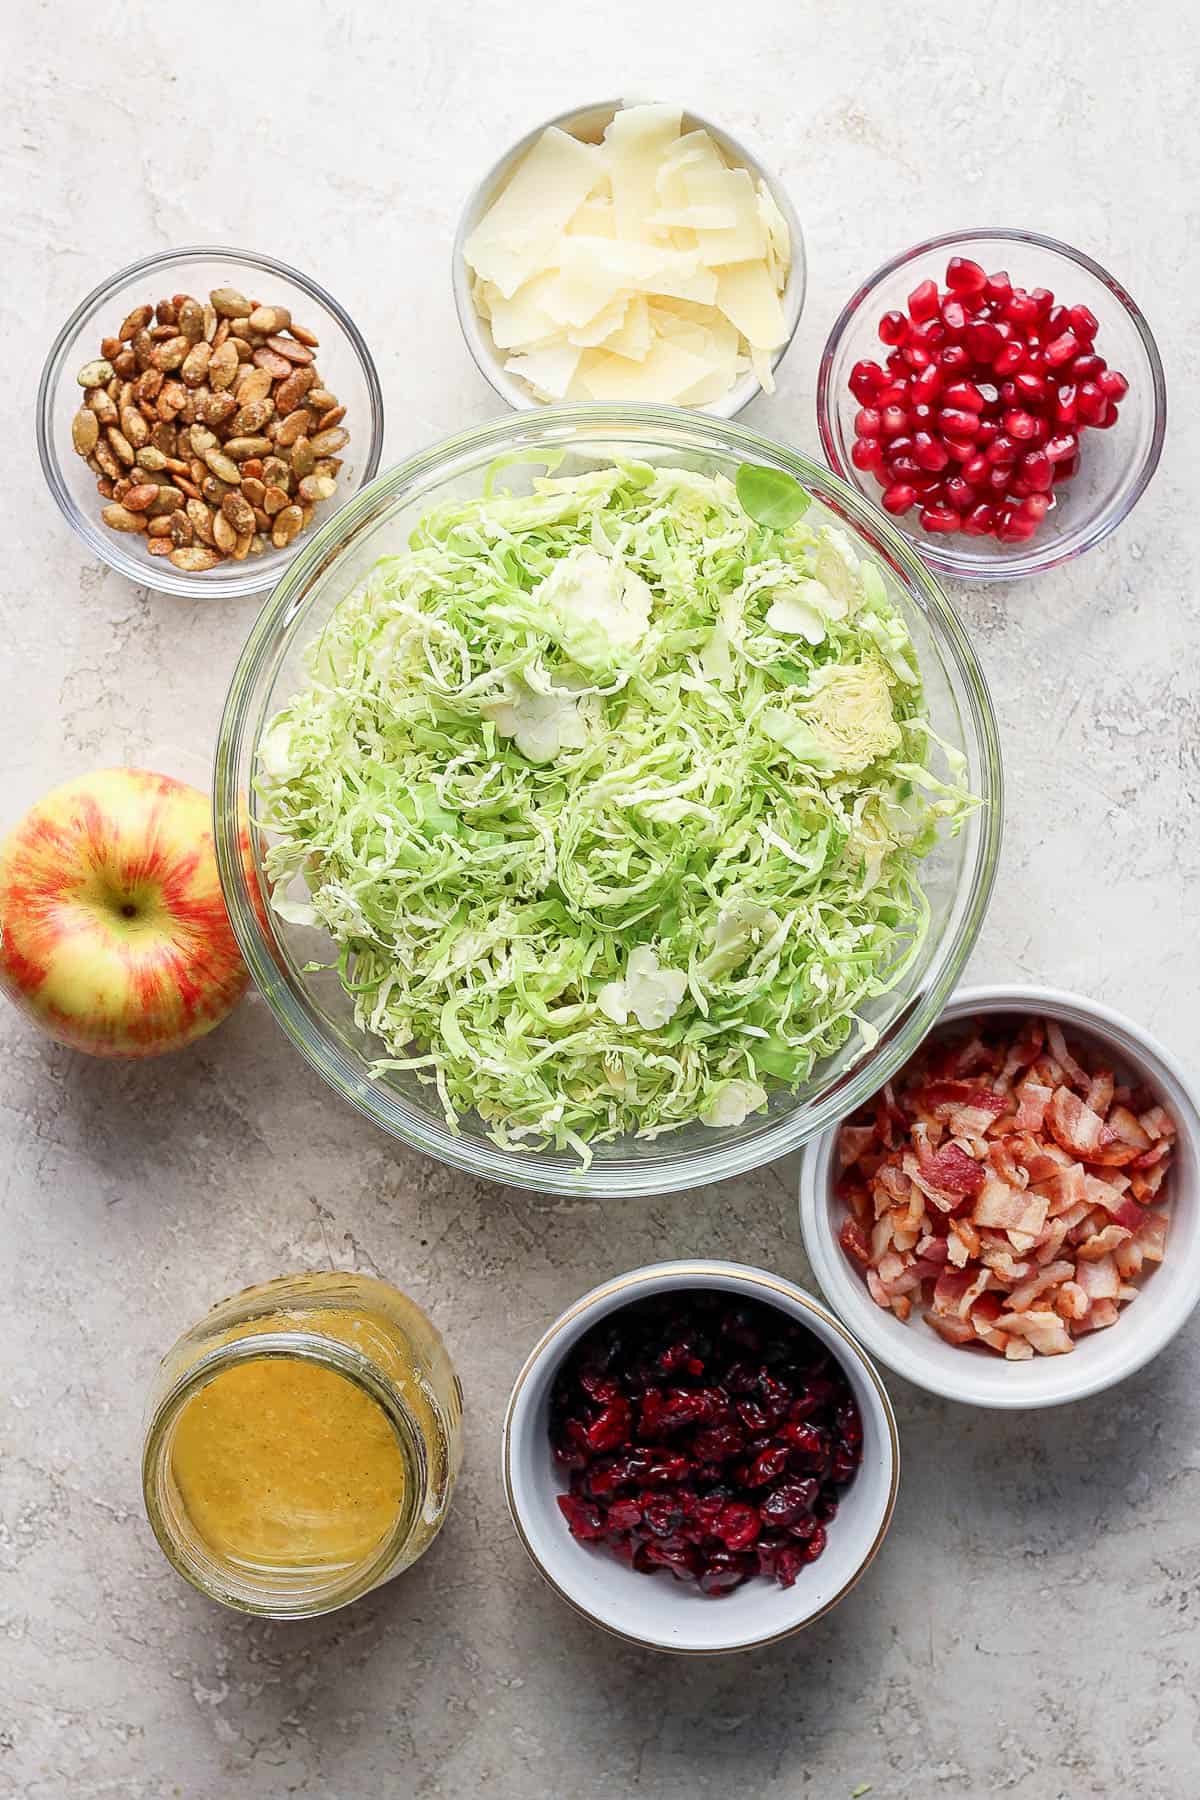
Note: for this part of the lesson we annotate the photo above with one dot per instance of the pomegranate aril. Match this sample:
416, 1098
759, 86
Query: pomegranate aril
984, 342
1061, 349
958, 421
1109, 419
893, 328
899, 446
923, 302
960, 449
1064, 470
997, 287
965, 395
954, 317
1091, 401
1112, 384
867, 421
866, 379
906, 468
1057, 319
894, 394
980, 521
1037, 470
895, 364
893, 420
1001, 452
900, 498
1019, 424
1043, 299
988, 431
976, 470
1009, 357
1065, 405
920, 416
955, 356
960, 494
1015, 528
964, 276
866, 453
1031, 390
1019, 309
1059, 447
928, 452
940, 519
1087, 367
1084, 323
1035, 507
927, 385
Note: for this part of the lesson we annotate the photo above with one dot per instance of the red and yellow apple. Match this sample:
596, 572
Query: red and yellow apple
114, 936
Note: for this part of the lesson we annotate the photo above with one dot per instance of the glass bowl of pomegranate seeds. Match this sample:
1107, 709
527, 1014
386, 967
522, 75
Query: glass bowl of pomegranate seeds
1000, 395
699, 1458
1014, 1220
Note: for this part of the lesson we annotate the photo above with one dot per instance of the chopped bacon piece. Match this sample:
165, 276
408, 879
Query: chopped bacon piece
952, 1171
1107, 1195
1010, 1209
1074, 1072
1071, 1302
1152, 1236
1049, 1277
1044, 1330
854, 1242
1129, 1129
1073, 1123
1128, 1258
1102, 1243
1032, 1101
1000, 1186
1099, 1279
852, 1141
1157, 1122
1099, 1315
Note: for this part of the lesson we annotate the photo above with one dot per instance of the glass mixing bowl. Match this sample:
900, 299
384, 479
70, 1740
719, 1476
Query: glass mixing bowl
312, 1007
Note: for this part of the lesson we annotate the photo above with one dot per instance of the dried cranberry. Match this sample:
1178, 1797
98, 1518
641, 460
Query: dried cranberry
584, 1519
724, 1570
788, 1502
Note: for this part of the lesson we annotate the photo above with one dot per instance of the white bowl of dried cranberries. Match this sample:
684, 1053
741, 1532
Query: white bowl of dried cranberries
1014, 1220
1000, 395
698, 1457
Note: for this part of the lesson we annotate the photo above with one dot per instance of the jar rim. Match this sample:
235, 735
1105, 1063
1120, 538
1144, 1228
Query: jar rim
217, 1580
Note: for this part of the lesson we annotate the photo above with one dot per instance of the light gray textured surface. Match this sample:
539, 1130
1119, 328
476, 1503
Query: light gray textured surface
1031, 1628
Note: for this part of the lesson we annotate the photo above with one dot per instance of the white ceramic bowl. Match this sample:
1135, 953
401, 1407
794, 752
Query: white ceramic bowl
655, 1610
1168, 1292
588, 123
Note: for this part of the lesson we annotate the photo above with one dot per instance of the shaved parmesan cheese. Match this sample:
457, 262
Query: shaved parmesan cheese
516, 236
641, 268
650, 993
747, 297
548, 369
636, 141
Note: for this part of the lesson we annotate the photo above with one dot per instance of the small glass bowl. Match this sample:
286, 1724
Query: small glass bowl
346, 368
1114, 466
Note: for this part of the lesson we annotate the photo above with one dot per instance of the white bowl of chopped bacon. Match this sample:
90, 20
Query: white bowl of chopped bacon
1014, 1221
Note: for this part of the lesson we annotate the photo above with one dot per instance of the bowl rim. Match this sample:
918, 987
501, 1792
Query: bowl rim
255, 580
1019, 562
488, 360
550, 427
908, 1358
732, 1277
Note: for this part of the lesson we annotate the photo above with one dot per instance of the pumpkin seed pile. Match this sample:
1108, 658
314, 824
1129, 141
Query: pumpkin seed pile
208, 428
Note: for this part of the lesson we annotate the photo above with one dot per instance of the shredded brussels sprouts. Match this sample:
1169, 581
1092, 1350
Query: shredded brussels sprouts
612, 800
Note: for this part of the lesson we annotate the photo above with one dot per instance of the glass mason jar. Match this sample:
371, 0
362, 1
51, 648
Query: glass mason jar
302, 1444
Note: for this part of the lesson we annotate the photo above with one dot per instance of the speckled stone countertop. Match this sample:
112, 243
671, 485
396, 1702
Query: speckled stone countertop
1031, 1628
